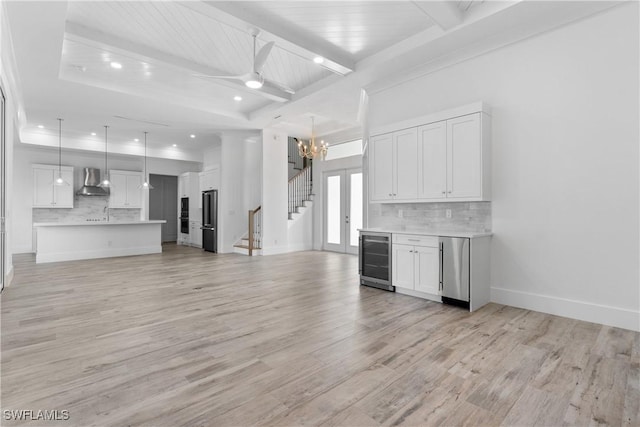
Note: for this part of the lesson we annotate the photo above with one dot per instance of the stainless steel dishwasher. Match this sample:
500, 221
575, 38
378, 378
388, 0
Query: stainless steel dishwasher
455, 270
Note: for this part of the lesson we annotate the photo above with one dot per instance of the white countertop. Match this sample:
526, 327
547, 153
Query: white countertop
468, 234
73, 224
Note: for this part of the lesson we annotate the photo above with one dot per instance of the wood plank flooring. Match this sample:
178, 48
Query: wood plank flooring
189, 338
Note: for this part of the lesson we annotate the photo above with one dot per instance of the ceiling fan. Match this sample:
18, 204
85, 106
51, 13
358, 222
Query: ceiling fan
254, 78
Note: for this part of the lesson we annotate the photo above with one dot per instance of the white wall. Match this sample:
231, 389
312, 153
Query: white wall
14, 116
274, 192
319, 168
26, 155
565, 162
240, 177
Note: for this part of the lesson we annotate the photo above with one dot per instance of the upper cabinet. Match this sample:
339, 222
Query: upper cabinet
447, 160
394, 160
209, 180
125, 190
48, 195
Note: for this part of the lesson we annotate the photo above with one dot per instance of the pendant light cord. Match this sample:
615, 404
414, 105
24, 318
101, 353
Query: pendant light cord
59, 147
106, 170
145, 156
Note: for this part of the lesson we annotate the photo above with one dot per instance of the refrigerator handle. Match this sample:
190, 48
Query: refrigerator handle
441, 264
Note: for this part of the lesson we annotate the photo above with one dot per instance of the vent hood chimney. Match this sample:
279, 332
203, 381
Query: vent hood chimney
91, 181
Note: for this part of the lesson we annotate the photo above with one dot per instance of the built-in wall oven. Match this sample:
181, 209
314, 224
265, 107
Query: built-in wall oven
184, 215
375, 260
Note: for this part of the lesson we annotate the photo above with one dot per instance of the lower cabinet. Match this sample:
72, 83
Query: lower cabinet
416, 265
195, 234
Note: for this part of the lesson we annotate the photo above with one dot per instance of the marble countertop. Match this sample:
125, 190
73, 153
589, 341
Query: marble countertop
468, 234
94, 223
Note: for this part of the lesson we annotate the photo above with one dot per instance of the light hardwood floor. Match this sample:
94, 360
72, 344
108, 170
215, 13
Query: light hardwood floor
188, 338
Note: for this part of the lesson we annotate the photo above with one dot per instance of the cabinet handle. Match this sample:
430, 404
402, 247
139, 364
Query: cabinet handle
441, 265
444, 192
390, 194
413, 240
449, 192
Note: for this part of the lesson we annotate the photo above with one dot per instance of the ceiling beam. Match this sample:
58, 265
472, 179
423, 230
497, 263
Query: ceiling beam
444, 13
93, 36
287, 37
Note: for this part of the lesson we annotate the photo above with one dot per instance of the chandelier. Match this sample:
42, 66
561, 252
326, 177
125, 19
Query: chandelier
311, 150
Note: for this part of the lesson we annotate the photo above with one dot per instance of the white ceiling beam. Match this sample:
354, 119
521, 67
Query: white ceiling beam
444, 13
297, 42
94, 36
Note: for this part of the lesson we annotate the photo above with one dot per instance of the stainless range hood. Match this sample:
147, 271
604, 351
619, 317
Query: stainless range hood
91, 181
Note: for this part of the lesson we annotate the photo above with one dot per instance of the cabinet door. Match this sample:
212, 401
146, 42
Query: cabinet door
118, 192
427, 269
381, 167
405, 164
43, 188
133, 192
403, 266
63, 195
464, 157
432, 152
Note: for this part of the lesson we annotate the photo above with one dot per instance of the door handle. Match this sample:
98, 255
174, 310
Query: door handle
441, 265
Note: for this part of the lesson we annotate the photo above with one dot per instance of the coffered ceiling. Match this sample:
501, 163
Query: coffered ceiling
67, 51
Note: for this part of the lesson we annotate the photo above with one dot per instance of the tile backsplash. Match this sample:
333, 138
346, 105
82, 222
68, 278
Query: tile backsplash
465, 216
86, 208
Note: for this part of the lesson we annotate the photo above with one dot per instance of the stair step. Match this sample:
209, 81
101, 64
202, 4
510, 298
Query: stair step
246, 247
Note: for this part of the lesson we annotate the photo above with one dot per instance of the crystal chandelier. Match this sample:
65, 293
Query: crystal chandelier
311, 150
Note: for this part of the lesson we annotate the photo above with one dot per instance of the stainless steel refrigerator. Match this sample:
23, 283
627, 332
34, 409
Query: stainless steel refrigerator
210, 220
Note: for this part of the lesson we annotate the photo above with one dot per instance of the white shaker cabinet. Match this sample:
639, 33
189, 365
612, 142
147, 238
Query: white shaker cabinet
416, 265
209, 180
195, 234
125, 192
437, 158
393, 169
48, 195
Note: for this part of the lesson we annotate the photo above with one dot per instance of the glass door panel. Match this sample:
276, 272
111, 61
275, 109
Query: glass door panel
342, 210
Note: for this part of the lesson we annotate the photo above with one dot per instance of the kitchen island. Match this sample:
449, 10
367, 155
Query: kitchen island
57, 241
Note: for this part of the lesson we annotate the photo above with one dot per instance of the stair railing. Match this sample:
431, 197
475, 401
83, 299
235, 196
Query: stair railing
300, 189
255, 229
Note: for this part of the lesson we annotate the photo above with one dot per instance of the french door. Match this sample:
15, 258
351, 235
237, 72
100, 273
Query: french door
342, 210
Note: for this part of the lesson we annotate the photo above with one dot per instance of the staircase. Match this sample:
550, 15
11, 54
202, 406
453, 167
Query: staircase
300, 191
252, 243
300, 188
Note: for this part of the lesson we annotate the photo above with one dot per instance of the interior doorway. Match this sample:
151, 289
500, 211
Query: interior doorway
163, 204
342, 210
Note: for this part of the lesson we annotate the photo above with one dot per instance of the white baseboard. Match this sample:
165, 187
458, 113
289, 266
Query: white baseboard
101, 253
301, 247
580, 310
8, 277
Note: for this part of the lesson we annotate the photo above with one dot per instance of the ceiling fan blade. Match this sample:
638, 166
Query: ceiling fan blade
205, 76
262, 56
279, 86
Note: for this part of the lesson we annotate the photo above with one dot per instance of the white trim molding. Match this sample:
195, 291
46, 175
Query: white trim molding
580, 310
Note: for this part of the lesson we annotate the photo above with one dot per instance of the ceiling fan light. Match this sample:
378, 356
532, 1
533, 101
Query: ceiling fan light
253, 84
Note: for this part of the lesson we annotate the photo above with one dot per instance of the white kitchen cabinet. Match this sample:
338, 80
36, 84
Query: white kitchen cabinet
48, 195
125, 192
447, 159
393, 166
209, 180
195, 234
416, 265
184, 186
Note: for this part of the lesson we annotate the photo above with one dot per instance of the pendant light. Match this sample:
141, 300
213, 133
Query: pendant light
145, 185
60, 181
105, 183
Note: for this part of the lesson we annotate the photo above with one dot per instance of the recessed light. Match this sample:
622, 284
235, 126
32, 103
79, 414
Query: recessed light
192, 136
136, 139
116, 65
93, 134
147, 73
174, 145
237, 98
40, 127
318, 59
